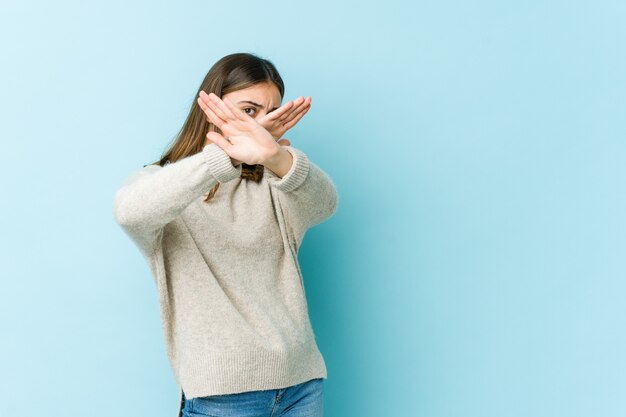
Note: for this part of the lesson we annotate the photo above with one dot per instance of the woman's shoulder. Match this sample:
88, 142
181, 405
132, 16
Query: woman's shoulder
140, 172
154, 166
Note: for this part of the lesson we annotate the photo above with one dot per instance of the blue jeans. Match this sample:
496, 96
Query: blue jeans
301, 400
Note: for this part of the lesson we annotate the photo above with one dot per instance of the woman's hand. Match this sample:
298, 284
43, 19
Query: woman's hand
285, 117
235, 162
248, 141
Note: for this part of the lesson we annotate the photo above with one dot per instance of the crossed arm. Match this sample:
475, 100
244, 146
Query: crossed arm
307, 193
154, 196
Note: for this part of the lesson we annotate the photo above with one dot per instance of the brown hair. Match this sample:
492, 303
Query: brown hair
231, 73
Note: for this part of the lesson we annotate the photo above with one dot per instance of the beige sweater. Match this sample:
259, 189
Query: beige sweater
232, 302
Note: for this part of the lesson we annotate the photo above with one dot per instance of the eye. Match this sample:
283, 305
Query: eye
249, 108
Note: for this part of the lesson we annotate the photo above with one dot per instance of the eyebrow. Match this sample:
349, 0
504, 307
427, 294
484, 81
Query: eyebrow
255, 104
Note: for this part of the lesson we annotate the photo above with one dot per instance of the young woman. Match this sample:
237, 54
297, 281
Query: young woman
219, 219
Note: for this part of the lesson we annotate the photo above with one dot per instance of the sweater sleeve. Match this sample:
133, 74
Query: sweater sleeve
154, 196
307, 194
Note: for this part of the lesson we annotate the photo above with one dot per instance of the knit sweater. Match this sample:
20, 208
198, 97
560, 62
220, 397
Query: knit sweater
232, 302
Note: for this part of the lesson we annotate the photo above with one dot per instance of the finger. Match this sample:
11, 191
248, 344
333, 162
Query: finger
203, 95
284, 142
213, 118
280, 112
241, 115
220, 108
202, 104
300, 108
286, 115
296, 116
203, 100
293, 122
215, 109
210, 103
220, 141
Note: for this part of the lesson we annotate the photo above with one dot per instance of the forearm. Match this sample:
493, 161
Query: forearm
279, 162
307, 194
155, 196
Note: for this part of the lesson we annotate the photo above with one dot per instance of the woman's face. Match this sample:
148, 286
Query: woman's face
256, 101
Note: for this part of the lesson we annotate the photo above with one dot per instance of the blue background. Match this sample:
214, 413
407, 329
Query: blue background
476, 264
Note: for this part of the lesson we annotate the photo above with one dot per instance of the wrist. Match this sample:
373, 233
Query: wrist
279, 161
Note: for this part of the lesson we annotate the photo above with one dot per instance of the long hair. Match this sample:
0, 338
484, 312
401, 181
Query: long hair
231, 73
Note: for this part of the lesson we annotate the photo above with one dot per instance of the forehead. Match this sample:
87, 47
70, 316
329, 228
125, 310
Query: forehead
266, 94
